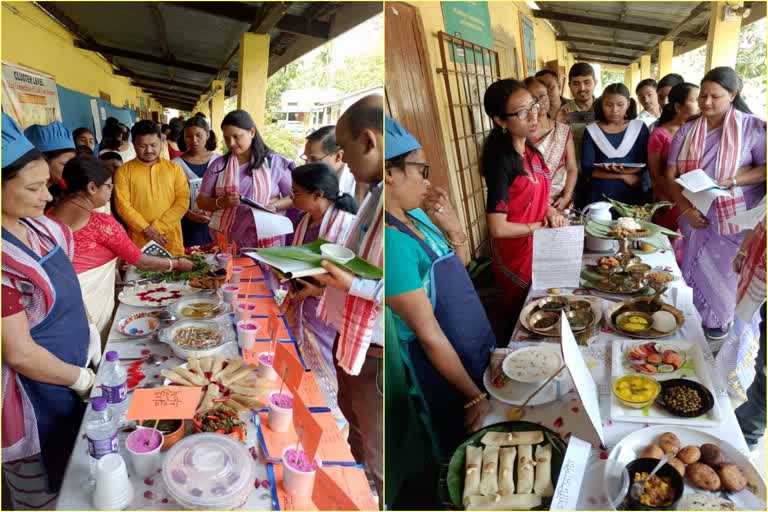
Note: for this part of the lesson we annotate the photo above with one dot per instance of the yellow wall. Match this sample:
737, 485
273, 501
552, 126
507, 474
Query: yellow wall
505, 26
32, 39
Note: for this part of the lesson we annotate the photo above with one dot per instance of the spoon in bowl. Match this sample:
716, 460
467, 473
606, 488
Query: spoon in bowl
638, 488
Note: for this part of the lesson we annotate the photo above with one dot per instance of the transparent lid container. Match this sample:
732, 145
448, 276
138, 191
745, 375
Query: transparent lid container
209, 472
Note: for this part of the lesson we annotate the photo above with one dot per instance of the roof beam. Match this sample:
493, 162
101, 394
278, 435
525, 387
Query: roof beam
165, 81
600, 42
185, 101
588, 20
175, 92
127, 54
589, 51
677, 32
597, 60
174, 87
237, 11
268, 17
160, 23
304, 26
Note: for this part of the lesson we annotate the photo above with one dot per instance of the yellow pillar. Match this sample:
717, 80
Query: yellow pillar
722, 38
252, 80
635, 76
217, 107
666, 53
627, 78
645, 67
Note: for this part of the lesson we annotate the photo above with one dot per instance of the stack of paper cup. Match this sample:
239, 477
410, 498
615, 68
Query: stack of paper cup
244, 310
113, 489
237, 271
144, 445
230, 292
246, 334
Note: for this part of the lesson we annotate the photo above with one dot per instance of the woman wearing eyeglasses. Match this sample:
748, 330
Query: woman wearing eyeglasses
555, 142
617, 138
444, 335
518, 189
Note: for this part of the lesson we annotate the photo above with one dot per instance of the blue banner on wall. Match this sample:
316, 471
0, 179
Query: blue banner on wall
76, 111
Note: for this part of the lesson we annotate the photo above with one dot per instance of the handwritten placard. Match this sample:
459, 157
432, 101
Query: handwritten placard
307, 428
288, 367
272, 326
342, 488
171, 403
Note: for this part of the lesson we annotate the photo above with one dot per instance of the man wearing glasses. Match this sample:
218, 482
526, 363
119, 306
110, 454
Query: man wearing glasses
321, 147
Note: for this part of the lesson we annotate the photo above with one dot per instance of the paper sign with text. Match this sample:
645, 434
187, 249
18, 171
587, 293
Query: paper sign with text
171, 403
288, 367
333, 449
307, 428
327, 494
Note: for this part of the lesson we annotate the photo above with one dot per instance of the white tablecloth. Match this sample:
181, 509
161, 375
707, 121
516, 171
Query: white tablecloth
149, 493
566, 415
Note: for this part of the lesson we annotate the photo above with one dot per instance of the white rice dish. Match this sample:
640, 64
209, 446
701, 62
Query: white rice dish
532, 364
629, 224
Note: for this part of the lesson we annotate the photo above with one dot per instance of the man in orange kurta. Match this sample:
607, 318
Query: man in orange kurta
152, 193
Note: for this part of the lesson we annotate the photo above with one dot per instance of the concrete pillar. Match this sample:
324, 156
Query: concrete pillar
217, 107
628, 78
723, 37
252, 81
645, 67
634, 77
666, 52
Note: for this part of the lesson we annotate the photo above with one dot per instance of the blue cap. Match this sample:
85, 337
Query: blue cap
51, 137
397, 140
15, 144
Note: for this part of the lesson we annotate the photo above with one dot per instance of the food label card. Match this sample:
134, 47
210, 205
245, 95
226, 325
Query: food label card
288, 367
342, 488
308, 430
171, 403
571, 475
333, 447
582, 380
557, 257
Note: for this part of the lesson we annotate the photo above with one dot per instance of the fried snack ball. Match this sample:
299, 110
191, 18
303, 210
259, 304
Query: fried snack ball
711, 455
652, 451
689, 454
669, 442
702, 476
678, 465
732, 477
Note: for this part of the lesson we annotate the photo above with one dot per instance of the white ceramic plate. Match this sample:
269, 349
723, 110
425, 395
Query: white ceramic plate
515, 393
629, 448
533, 364
163, 295
140, 325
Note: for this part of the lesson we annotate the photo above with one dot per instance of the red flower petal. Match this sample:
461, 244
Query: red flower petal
149, 495
149, 481
558, 422
265, 484
603, 455
256, 483
575, 409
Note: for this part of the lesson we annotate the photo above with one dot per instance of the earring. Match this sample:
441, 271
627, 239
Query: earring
504, 130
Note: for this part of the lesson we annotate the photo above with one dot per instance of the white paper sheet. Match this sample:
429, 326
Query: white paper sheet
270, 224
696, 181
290, 267
571, 474
703, 200
557, 257
582, 380
750, 218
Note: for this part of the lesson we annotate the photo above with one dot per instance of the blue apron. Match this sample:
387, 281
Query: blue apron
461, 317
63, 332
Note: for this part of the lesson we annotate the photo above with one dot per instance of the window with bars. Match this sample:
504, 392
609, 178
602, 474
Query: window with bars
468, 70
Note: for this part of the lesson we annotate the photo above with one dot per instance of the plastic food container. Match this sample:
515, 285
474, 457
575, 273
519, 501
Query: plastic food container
337, 253
199, 308
209, 472
637, 383
167, 335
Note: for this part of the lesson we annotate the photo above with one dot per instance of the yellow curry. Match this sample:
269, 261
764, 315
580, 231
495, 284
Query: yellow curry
636, 388
634, 324
657, 491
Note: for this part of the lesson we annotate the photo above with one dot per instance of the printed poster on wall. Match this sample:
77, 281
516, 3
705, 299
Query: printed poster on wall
471, 22
29, 96
529, 45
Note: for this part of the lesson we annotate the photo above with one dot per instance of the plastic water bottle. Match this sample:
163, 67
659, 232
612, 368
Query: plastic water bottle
114, 387
101, 432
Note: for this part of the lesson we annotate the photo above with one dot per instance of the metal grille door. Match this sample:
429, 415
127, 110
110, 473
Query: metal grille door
468, 70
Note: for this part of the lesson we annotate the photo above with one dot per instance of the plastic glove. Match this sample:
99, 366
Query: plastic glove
94, 346
84, 383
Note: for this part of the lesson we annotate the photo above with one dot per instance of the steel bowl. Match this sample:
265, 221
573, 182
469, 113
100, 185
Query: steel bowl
579, 304
623, 319
580, 319
638, 271
555, 303
544, 317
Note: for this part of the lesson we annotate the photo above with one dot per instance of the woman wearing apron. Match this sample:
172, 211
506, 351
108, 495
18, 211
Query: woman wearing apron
45, 332
445, 338
251, 170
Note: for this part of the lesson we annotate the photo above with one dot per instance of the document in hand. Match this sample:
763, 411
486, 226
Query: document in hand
700, 189
268, 223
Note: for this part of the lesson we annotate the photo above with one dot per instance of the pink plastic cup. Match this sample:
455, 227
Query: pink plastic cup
237, 272
298, 472
230, 292
244, 310
265, 366
246, 334
223, 258
280, 413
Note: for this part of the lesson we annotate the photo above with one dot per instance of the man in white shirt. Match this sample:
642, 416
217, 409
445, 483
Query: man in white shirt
649, 100
321, 147
360, 135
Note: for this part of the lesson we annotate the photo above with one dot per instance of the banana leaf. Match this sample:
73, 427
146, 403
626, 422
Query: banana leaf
644, 212
591, 279
657, 237
310, 253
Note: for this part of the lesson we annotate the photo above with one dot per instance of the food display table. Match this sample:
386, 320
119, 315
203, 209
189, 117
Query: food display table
150, 493
565, 414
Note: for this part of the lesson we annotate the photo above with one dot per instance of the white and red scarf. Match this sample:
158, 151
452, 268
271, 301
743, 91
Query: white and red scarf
726, 164
334, 227
228, 182
750, 293
24, 273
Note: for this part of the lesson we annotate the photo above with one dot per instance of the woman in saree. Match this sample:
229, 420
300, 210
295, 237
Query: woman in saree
329, 214
518, 190
45, 333
198, 144
554, 141
616, 138
100, 240
444, 336
251, 170
728, 142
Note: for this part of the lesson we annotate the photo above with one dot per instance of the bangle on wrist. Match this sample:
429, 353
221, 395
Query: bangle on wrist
686, 211
217, 201
479, 398
733, 182
464, 241
170, 265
